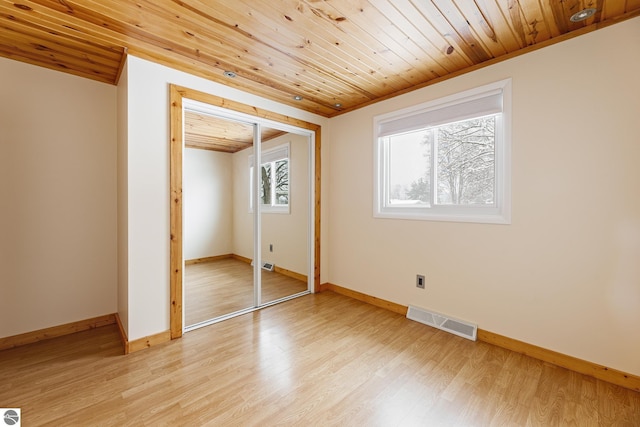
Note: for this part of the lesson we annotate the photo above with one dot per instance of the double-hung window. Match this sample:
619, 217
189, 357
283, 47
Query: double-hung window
274, 180
446, 160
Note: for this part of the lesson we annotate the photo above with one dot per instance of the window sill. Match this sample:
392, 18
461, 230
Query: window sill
481, 218
282, 210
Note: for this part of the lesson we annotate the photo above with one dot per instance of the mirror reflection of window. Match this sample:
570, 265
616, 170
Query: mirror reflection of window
274, 179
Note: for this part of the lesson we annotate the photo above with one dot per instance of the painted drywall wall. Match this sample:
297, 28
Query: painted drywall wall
242, 217
148, 184
208, 205
58, 216
123, 203
288, 233
565, 274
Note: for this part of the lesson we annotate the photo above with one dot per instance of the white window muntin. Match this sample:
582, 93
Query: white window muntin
491, 99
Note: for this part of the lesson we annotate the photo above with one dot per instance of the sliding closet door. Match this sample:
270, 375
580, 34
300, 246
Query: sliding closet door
218, 220
247, 191
284, 214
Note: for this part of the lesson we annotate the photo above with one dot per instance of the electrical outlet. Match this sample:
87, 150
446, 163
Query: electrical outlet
420, 281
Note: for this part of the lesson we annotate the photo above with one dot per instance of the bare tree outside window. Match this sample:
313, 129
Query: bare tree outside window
273, 176
265, 190
462, 154
282, 182
466, 162
274, 183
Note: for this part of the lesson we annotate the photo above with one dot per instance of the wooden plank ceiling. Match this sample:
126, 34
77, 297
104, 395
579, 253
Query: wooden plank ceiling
217, 134
337, 55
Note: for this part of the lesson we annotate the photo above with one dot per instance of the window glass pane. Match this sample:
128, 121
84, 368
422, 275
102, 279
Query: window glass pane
409, 175
265, 187
282, 182
466, 162
282, 199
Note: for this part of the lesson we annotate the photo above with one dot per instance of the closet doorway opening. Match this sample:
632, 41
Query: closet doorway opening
245, 209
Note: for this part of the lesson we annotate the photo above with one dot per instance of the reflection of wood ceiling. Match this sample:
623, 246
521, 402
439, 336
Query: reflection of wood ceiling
338, 55
217, 134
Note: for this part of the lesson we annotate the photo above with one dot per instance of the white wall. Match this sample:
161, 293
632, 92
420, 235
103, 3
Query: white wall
207, 189
565, 274
288, 233
148, 184
58, 215
242, 218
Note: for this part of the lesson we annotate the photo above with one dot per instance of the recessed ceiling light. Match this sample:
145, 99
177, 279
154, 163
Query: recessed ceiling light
230, 74
582, 15
337, 105
297, 98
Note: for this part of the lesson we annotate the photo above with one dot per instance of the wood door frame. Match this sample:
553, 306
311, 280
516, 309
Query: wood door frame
176, 146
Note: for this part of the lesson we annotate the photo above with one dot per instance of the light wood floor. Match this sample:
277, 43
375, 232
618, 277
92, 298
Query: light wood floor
225, 286
318, 360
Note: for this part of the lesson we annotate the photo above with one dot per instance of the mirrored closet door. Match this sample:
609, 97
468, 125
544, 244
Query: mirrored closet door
218, 238
284, 214
247, 204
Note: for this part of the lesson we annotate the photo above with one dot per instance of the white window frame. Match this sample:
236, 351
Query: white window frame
469, 104
271, 155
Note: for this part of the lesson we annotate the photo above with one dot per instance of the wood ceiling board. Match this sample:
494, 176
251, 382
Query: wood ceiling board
562, 11
220, 134
239, 53
73, 51
211, 146
272, 30
329, 32
420, 60
441, 49
465, 35
456, 44
479, 27
14, 47
215, 139
268, 134
401, 51
599, 6
25, 34
352, 60
615, 8
207, 122
252, 75
222, 130
513, 12
539, 26
325, 46
354, 52
405, 16
318, 81
500, 24
59, 25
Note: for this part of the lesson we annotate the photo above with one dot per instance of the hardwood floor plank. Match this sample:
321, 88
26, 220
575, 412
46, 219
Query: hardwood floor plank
223, 286
322, 359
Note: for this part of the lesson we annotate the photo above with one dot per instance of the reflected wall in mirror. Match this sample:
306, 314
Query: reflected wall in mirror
284, 212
